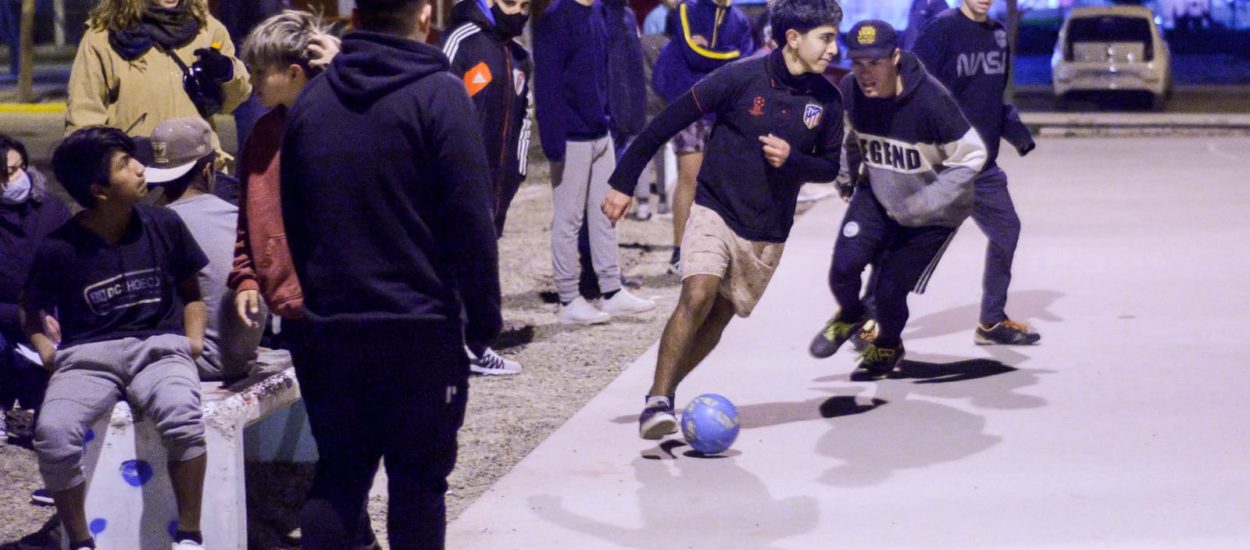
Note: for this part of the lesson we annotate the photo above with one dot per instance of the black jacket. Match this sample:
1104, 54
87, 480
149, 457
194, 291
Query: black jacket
627, 85
385, 193
496, 73
752, 97
22, 228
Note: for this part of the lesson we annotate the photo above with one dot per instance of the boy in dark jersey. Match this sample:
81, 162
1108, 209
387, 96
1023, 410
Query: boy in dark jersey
778, 124
968, 52
911, 158
120, 278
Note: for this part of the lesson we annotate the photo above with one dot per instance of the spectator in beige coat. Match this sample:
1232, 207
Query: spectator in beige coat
129, 70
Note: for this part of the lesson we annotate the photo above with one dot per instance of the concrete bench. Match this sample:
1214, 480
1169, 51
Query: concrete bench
130, 503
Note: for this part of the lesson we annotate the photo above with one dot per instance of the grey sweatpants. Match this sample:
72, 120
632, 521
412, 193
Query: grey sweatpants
580, 185
156, 375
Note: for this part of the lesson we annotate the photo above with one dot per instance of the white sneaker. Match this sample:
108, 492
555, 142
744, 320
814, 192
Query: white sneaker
643, 212
187, 545
491, 363
624, 303
581, 312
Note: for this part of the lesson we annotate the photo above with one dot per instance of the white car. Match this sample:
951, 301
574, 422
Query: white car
1115, 48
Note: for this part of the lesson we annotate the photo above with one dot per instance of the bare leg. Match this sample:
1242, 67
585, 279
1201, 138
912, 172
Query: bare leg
698, 294
687, 173
706, 338
71, 506
188, 481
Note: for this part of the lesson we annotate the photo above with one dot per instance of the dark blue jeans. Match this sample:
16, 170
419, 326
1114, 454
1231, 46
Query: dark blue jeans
381, 393
995, 213
902, 257
21, 380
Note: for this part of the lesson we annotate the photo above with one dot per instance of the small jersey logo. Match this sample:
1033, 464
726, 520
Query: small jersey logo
518, 80
812, 115
850, 230
477, 78
757, 107
1000, 36
867, 35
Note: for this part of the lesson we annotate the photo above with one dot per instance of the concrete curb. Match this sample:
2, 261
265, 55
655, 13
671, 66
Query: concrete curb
1139, 120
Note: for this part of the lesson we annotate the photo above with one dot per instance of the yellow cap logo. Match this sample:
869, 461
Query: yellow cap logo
867, 35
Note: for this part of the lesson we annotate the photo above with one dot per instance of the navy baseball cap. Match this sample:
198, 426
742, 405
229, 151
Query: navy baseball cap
871, 39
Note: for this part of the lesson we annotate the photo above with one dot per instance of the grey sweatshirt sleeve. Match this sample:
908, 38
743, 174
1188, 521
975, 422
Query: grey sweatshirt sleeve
963, 159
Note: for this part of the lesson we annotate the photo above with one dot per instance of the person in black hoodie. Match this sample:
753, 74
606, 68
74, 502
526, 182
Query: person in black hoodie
29, 212
386, 195
968, 52
496, 71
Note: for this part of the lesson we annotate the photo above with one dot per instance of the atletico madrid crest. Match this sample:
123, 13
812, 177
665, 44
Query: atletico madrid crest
811, 115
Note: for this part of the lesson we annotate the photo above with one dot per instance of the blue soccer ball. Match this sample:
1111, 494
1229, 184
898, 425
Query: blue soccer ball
710, 423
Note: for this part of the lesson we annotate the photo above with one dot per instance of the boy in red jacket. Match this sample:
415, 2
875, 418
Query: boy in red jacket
262, 261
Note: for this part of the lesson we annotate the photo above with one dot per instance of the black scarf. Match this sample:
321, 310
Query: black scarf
169, 28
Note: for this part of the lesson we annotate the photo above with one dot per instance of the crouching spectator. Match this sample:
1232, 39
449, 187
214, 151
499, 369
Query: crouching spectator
121, 279
182, 162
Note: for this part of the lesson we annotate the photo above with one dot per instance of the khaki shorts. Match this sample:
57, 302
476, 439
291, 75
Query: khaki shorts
745, 267
693, 138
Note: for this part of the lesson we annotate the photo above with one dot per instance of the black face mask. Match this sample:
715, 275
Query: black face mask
509, 26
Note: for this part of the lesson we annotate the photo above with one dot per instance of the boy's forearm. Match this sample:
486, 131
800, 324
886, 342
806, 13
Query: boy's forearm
33, 328
44, 347
194, 321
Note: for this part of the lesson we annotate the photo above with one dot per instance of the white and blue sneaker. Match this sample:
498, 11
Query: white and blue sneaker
657, 419
492, 364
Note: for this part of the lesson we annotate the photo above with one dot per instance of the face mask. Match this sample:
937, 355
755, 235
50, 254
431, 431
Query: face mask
509, 26
17, 191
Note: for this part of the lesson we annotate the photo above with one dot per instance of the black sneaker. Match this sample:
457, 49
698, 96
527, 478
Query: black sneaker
877, 362
835, 333
657, 419
1005, 333
42, 497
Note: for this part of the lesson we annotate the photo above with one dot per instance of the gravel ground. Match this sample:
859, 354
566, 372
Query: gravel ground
507, 417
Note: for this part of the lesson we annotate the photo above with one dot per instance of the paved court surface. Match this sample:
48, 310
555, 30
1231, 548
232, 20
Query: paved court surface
1125, 428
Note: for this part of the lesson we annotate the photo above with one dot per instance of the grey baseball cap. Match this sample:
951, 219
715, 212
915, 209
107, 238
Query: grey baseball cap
177, 145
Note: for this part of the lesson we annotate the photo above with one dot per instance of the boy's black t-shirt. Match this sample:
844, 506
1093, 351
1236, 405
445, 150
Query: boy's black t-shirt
100, 291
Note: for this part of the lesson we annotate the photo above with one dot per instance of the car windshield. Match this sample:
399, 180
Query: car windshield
1109, 28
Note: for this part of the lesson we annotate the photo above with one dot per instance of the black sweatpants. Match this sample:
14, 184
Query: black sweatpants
381, 392
904, 257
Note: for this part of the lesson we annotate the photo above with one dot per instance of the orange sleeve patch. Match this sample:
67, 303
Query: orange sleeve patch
477, 78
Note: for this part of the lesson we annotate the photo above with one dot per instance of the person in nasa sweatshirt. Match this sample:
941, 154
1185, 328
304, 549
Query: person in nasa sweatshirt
911, 158
968, 52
